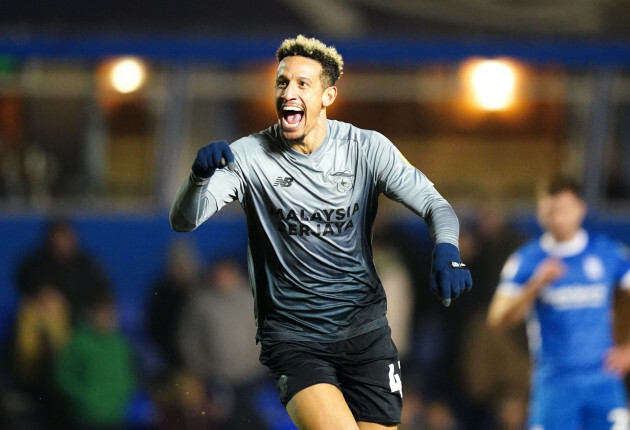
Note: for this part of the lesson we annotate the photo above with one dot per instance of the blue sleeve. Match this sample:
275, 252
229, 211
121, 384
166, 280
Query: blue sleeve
517, 270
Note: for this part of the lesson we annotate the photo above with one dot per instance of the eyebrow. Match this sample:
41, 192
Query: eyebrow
305, 78
302, 76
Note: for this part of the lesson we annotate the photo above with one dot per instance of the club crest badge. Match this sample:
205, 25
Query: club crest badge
593, 268
344, 180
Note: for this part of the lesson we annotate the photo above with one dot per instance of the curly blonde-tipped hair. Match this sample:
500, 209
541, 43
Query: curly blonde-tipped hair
327, 56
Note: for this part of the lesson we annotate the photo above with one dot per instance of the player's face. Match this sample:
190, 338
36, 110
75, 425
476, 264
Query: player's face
561, 214
301, 98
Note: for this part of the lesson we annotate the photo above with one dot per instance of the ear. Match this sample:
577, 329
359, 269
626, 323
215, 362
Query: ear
329, 96
584, 210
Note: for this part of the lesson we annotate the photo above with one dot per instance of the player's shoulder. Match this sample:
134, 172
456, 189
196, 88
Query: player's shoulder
530, 246
523, 260
600, 239
247, 143
531, 250
345, 130
263, 141
603, 242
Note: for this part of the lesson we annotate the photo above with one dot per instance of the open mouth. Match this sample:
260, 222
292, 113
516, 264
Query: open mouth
291, 116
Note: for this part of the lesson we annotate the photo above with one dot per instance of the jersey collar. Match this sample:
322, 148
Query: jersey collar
564, 249
298, 155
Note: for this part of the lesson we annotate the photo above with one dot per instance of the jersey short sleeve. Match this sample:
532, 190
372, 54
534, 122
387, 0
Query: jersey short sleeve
517, 270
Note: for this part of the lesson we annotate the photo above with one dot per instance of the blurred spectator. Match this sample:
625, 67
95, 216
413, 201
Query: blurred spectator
426, 354
183, 404
397, 283
496, 239
95, 371
490, 362
217, 337
511, 413
41, 330
497, 366
420, 413
167, 299
440, 416
413, 411
62, 262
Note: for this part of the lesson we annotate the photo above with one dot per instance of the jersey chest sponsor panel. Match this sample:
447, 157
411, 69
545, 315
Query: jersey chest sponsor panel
315, 207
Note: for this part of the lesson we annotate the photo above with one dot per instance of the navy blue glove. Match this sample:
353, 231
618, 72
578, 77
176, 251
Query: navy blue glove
449, 276
211, 157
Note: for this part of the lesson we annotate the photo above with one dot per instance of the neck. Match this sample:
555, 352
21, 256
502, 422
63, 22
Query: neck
304, 147
565, 237
312, 140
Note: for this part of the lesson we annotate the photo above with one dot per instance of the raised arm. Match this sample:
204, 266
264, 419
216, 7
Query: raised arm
194, 203
509, 307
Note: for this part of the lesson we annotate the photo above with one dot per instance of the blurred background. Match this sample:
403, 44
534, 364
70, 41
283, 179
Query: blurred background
103, 106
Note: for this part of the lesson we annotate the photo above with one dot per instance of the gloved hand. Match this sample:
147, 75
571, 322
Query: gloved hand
449, 276
211, 157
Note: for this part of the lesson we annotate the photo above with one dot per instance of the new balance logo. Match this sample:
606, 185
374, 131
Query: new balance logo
283, 182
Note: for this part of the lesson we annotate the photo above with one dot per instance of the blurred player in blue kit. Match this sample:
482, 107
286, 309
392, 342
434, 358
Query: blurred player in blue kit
309, 187
562, 284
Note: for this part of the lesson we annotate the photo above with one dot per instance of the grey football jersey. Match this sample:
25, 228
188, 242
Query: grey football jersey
309, 220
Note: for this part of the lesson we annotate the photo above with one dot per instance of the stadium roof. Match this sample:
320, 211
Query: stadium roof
573, 32
326, 18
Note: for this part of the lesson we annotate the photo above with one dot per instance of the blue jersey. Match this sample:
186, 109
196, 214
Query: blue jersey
571, 323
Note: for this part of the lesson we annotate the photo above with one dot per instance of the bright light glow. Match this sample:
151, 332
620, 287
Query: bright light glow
493, 84
127, 75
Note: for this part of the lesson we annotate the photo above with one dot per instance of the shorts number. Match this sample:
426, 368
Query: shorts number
620, 419
395, 384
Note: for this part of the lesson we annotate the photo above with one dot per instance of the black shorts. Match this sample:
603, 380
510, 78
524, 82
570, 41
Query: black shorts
365, 368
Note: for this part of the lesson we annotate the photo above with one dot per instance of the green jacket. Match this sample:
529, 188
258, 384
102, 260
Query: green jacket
96, 373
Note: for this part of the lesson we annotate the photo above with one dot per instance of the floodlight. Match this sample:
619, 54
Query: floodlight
493, 84
127, 74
